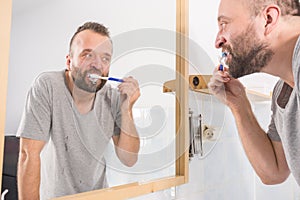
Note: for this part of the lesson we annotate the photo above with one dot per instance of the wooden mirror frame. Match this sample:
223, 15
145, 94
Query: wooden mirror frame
182, 137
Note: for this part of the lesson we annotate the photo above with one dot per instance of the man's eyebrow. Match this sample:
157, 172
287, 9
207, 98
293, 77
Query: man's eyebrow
107, 54
222, 17
91, 50
86, 50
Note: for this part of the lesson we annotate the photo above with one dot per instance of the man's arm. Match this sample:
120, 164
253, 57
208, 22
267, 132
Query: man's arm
127, 145
29, 169
266, 157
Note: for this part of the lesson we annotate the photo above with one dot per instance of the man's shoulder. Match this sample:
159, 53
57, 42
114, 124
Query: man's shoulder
50, 75
296, 65
47, 80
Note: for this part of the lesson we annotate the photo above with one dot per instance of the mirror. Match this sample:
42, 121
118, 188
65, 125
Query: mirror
144, 43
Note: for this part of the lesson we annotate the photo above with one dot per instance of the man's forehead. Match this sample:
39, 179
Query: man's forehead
232, 9
93, 40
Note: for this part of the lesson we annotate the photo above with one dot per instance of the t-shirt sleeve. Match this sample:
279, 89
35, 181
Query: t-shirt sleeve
296, 66
272, 131
36, 118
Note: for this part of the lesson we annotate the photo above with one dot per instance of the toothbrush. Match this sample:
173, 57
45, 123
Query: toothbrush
95, 77
222, 61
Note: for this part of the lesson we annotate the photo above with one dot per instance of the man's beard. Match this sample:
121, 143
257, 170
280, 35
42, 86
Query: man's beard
248, 55
79, 79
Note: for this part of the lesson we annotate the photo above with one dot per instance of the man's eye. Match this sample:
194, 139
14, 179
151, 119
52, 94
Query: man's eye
105, 60
89, 55
222, 26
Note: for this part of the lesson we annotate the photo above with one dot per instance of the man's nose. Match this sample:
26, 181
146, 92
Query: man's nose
220, 41
97, 62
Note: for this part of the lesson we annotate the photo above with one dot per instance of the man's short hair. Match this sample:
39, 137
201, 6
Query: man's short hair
287, 7
93, 26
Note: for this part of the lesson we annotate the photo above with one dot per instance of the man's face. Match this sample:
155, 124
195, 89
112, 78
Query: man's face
247, 54
238, 36
90, 54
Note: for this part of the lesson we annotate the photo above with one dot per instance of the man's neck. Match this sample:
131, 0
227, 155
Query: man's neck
281, 63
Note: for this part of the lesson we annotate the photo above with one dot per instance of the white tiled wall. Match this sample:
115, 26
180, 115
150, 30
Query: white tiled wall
225, 173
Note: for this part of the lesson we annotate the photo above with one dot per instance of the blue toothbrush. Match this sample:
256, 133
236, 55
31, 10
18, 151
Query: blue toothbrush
222, 61
95, 77
112, 79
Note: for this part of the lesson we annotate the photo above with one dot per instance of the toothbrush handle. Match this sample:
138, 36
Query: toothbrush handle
221, 68
115, 79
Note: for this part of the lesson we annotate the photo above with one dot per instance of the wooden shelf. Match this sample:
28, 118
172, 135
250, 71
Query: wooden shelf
254, 96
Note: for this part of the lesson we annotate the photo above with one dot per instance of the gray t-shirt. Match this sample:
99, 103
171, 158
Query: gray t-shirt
72, 159
285, 122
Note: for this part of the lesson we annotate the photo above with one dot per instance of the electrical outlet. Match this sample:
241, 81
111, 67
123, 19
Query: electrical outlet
208, 133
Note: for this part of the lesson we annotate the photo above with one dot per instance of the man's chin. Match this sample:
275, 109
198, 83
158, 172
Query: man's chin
92, 88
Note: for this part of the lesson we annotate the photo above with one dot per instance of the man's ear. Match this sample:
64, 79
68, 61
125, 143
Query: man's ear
68, 62
271, 15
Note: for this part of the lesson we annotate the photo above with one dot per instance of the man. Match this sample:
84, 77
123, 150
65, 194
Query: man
69, 119
263, 36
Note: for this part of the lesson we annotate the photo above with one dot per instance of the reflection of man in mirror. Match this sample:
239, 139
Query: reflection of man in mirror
70, 117
263, 36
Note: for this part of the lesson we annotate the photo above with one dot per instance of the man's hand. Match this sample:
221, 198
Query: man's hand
127, 145
227, 89
130, 92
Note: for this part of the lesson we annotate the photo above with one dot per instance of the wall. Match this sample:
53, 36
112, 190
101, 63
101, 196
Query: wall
224, 172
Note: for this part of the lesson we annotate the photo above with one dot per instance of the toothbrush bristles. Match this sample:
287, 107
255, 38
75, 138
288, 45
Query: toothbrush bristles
94, 76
